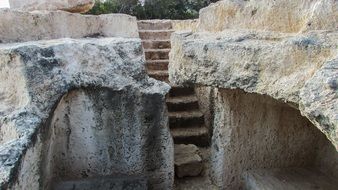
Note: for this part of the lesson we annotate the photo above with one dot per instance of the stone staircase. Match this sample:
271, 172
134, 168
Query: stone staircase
186, 121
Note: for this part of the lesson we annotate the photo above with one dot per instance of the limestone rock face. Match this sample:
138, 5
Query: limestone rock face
185, 25
282, 15
74, 6
254, 131
78, 109
44, 25
270, 63
284, 49
319, 99
296, 69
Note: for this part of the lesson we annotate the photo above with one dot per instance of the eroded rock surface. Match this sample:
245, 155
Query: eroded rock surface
297, 68
281, 16
252, 131
74, 6
83, 103
265, 60
44, 25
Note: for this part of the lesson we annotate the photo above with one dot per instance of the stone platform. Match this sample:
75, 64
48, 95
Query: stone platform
288, 178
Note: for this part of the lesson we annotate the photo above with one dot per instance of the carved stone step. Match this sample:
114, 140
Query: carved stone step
192, 135
182, 103
156, 44
154, 24
157, 64
188, 162
157, 54
181, 91
185, 119
155, 34
159, 75
288, 178
195, 183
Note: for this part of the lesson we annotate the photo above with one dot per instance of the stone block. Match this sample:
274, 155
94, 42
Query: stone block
74, 6
45, 25
188, 162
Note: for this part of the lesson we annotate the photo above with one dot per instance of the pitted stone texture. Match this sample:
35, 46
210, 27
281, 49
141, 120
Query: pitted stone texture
319, 99
253, 131
284, 49
74, 6
122, 183
188, 162
281, 16
269, 63
45, 25
185, 25
57, 76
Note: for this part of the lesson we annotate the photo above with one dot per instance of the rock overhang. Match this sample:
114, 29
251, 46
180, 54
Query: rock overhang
297, 68
52, 68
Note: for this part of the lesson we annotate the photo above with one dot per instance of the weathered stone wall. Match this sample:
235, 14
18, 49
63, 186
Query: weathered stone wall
327, 158
298, 69
272, 63
253, 131
281, 16
184, 25
50, 127
44, 25
76, 6
206, 101
100, 132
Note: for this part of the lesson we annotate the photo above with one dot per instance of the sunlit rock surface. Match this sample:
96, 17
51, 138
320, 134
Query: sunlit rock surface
44, 25
74, 6
297, 68
281, 16
272, 67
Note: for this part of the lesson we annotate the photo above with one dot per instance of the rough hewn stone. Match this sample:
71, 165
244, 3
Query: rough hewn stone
266, 60
252, 131
319, 100
74, 6
84, 108
281, 16
188, 162
44, 25
185, 25
278, 64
